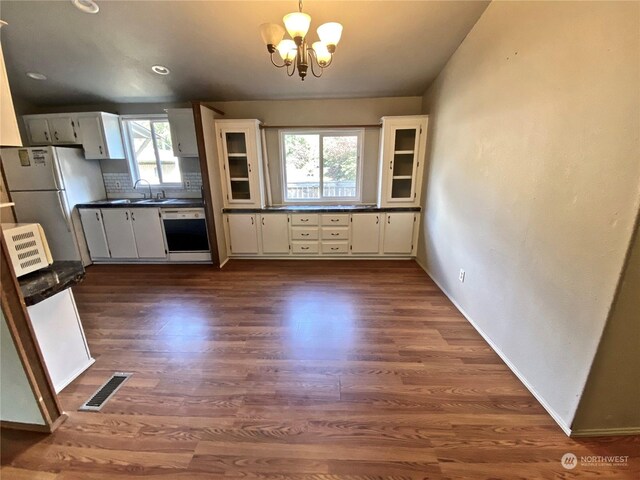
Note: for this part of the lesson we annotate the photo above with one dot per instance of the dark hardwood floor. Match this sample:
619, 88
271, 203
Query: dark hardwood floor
294, 370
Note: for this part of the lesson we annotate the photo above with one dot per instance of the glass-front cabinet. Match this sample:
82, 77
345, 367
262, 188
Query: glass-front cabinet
240, 156
403, 141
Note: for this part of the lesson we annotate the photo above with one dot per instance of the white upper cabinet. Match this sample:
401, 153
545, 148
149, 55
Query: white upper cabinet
101, 136
63, 130
183, 132
37, 130
402, 152
240, 154
98, 132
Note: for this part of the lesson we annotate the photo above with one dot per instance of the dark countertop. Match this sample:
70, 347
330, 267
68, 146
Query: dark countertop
42, 284
142, 203
322, 209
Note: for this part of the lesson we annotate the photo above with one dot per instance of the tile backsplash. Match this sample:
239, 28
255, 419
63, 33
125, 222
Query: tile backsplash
120, 185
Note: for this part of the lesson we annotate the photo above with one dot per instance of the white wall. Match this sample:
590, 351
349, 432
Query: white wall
17, 402
534, 182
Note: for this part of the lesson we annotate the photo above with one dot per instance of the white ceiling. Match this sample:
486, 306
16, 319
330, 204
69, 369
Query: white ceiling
214, 49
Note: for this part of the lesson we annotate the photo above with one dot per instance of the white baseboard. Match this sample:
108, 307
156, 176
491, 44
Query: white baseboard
605, 432
565, 428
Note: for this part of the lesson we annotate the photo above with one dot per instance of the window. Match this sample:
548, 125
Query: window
321, 166
150, 150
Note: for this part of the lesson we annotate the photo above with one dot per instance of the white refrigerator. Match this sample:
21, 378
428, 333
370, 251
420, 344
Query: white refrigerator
46, 183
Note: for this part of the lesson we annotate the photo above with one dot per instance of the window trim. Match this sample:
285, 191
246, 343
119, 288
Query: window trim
347, 131
134, 172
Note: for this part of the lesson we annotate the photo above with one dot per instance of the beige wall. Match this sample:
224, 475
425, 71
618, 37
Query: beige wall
534, 180
361, 111
611, 398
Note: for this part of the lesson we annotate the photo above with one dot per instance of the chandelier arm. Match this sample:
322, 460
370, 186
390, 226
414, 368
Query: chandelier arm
275, 64
313, 71
292, 71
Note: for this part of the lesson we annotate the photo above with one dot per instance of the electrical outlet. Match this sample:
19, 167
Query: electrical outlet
187, 184
118, 184
461, 275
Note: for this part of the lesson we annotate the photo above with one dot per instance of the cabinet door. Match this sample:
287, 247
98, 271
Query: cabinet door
403, 164
243, 233
183, 132
38, 129
365, 232
120, 237
147, 229
92, 137
94, 233
398, 232
63, 130
274, 229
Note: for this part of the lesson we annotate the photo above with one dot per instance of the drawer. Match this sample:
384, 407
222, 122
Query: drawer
304, 247
332, 248
341, 219
304, 219
337, 233
304, 233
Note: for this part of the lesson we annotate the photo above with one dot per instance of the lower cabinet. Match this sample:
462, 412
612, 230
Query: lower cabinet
365, 233
398, 233
333, 235
124, 234
94, 233
243, 234
274, 232
147, 230
119, 230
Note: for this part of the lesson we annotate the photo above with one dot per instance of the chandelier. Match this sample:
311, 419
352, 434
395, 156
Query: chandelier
297, 54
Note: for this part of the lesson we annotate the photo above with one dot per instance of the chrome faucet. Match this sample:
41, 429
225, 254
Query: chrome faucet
161, 192
144, 195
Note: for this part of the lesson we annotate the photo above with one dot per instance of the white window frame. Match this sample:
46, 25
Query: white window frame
131, 158
323, 132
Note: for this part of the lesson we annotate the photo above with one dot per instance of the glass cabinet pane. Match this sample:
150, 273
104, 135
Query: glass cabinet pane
236, 142
240, 190
405, 140
404, 157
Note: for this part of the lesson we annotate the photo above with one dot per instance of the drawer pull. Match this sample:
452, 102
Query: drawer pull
304, 219
304, 234
335, 234
304, 248
335, 219
335, 248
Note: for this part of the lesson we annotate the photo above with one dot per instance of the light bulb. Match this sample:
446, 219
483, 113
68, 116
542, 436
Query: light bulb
322, 54
287, 50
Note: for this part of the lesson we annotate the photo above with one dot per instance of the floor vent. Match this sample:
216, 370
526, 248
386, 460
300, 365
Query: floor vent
105, 392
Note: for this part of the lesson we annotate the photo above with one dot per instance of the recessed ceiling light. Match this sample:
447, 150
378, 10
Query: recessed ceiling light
36, 76
86, 6
161, 70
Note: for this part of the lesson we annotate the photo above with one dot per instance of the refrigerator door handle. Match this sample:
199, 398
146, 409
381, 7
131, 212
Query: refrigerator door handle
63, 209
